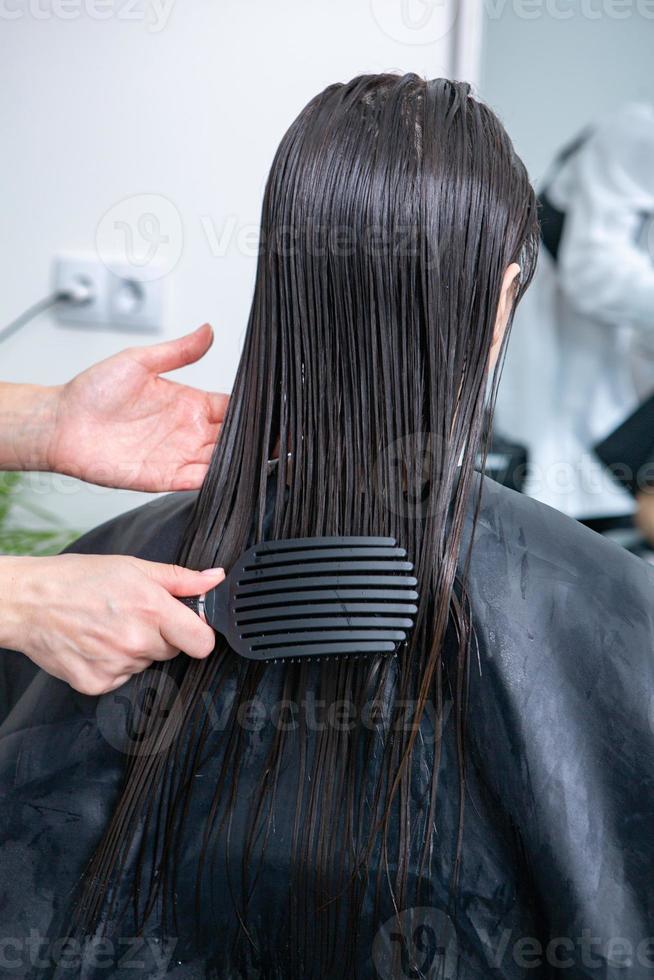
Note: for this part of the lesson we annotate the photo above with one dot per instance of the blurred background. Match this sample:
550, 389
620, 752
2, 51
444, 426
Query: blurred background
138, 137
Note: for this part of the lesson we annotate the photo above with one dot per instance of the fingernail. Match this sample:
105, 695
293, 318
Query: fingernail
212, 571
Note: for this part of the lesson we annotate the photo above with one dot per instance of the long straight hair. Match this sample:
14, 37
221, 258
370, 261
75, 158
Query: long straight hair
393, 208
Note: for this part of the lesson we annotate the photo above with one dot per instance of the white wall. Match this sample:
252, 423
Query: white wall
187, 101
549, 67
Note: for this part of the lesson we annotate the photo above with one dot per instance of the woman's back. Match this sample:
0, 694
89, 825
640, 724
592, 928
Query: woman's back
556, 845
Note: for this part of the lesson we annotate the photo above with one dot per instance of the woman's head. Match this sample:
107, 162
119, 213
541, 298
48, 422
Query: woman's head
389, 182
394, 219
395, 212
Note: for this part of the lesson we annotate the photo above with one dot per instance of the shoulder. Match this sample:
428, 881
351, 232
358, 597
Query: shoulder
560, 713
153, 531
548, 588
563, 619
513, 529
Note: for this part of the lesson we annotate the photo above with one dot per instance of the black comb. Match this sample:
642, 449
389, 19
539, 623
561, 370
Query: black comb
314, 598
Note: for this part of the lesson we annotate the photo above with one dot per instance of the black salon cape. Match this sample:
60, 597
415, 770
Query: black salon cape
557, 876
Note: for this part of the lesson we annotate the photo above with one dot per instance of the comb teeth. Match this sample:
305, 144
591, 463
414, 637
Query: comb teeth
334, 657
315, 598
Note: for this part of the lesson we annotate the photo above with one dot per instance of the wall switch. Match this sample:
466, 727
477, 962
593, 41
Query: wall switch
117, 298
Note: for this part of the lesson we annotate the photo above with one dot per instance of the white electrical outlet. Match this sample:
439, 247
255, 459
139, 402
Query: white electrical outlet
117, 298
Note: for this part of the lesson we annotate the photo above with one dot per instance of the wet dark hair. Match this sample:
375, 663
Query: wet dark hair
393, 208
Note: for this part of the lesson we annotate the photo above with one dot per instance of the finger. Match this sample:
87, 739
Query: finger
179, 581
190, 477
203, 454
172, 354
166, 651
184, 629
119, 681
218, 403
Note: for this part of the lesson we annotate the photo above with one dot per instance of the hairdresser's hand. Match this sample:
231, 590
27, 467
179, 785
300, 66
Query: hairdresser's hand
93, 620
120, 424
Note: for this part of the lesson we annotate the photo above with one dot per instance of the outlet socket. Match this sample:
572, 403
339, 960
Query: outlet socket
117, 300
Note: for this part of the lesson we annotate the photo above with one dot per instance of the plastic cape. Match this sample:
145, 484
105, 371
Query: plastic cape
556, 875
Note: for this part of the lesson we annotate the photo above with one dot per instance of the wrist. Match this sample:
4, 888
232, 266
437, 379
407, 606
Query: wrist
50, 409
16, 587
28, 426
